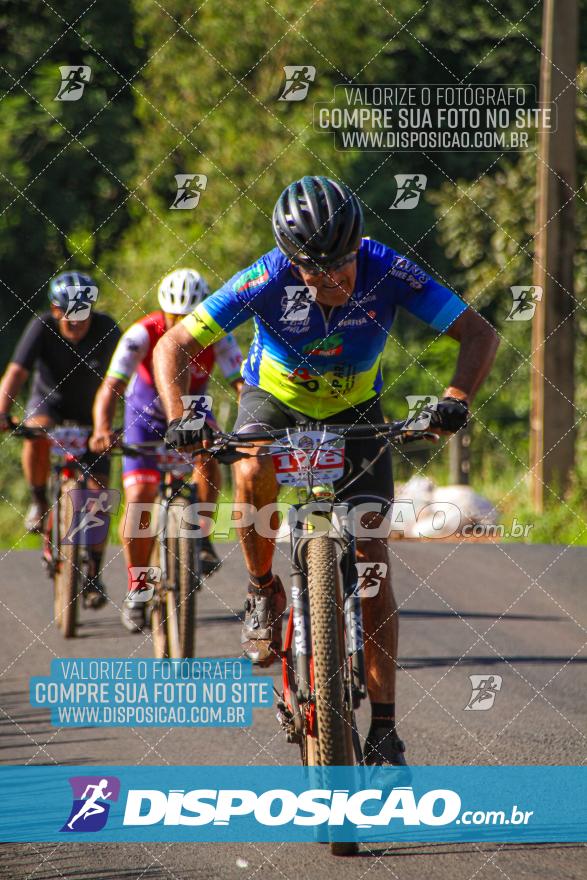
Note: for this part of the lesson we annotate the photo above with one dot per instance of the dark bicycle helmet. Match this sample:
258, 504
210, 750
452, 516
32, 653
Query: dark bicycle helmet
58, 294
317, 222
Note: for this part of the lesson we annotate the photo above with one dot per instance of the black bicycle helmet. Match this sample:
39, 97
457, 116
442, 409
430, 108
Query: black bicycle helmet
317, 222
58, 294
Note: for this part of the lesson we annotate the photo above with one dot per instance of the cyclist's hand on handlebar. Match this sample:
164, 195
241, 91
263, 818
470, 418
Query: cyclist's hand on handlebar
102, 440
182, 438
449, 415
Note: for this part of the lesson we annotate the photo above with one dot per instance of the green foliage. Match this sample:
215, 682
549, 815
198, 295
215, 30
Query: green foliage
63, 189
179, 87
488, 236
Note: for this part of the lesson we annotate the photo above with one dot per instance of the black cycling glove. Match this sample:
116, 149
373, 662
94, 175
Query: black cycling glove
449, 414
179, 438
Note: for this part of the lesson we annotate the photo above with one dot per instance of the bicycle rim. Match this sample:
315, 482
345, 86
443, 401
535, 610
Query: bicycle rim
333, 746
184, 563
67, 574
159, 627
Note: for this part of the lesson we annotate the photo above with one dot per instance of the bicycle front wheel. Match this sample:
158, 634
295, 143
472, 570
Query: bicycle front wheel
333, 746
184, 573
67, 573
326, 616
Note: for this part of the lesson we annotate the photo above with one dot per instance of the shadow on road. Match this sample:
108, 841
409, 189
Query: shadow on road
477, 615
425, 662
445, 849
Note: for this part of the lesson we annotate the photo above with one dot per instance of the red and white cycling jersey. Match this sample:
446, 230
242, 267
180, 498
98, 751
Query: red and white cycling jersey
134, 355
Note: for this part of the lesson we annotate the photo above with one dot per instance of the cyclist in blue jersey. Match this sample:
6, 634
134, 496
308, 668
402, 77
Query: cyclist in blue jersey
323, 303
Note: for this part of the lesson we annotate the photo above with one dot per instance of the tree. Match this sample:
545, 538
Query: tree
63, 191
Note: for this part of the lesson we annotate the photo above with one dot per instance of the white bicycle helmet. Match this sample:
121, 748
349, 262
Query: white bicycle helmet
181, 291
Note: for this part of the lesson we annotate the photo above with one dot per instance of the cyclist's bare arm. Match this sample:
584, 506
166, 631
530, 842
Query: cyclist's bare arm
110, 391
12, 381
132, 348
478, 345
171, 362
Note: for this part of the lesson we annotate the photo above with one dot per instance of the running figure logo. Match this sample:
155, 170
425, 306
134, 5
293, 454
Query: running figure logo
189, 189
144, 578
298, 302
90, 807
409, 189
484, 688
370, 576
525, 300
81, 300
195, 409
92, 509
73, 82
420, 411
297, 82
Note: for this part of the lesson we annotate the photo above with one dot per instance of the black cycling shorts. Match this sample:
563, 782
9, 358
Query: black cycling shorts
259, 410
53, 407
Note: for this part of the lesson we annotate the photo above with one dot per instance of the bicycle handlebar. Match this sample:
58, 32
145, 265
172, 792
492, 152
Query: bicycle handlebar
228, 446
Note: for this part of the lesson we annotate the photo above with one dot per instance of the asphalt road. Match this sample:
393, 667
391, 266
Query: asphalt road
512, 610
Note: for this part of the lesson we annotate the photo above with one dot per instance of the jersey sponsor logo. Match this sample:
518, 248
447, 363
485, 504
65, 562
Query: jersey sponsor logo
343, 379
254, 277
201, 325
354, 322
328, 347
409, 272
302, 378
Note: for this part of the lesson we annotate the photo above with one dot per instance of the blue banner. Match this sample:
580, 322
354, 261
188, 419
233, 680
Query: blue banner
505, 804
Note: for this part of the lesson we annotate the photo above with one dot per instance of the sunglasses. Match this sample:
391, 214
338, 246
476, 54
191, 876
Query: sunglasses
315, 271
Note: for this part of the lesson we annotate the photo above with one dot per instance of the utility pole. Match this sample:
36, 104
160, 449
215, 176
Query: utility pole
459, 457
552, 438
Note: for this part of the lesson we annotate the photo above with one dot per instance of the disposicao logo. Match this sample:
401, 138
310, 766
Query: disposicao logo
282, 807
90, 807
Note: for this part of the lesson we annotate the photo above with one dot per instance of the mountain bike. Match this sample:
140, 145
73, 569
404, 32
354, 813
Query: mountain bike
172, 608
67, 564
323, 658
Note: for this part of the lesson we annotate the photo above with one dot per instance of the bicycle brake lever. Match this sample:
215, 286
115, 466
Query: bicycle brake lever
229, 456
414, 436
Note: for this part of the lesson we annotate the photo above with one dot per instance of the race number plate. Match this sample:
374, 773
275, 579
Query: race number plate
173, 461
69, 441
304, 453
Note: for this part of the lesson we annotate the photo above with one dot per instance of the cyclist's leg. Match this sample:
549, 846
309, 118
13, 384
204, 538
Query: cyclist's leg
255, 481
137, 549
255, 485
98, 477
39, 412
140, 480
208, 481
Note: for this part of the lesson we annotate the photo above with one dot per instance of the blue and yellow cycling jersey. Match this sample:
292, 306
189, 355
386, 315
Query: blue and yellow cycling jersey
316, 363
